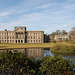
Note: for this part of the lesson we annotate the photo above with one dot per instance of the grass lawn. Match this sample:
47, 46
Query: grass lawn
27, 45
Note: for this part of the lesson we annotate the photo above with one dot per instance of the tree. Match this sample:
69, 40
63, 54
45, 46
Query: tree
63, 32
72, 32
58, 32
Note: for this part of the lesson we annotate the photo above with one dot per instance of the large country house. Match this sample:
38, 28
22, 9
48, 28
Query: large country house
20, 35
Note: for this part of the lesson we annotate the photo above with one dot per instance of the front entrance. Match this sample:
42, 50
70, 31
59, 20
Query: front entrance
18, 41
21, 41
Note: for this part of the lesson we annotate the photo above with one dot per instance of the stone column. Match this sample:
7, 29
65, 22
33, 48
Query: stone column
24, 37
17, 41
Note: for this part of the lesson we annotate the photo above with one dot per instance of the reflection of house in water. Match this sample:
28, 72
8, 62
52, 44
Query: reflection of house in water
29, 52
35, 52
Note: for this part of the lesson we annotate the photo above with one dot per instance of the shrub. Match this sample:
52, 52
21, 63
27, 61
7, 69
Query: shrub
66, 40
55, 65
54, 41
63, 48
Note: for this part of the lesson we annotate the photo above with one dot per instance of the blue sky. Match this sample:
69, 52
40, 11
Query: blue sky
45, 15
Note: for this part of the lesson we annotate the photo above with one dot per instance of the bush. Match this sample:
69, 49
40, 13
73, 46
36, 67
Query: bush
54, 41
63, 48
55, 65
66, 40
18, 64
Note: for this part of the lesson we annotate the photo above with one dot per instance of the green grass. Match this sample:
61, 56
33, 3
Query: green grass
63, 48
28, 45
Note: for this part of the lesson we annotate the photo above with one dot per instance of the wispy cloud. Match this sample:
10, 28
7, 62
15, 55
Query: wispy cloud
70, 6
4, 13
44, 6
48, 15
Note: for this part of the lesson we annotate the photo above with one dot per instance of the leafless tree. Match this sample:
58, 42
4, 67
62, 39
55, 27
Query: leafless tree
72, 32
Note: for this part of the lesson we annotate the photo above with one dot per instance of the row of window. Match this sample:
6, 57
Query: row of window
6, 41
31, 37
4, 37
21, 33
33, 41
18, 41
19, 36
6, 33
33, 33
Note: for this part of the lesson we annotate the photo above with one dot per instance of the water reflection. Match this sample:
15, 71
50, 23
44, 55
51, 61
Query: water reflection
29, 52
35, 52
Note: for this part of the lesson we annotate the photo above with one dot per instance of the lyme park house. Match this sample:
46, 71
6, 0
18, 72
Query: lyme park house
20, 35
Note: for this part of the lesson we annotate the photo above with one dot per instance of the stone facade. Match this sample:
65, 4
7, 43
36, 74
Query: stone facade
62, 37
20, 35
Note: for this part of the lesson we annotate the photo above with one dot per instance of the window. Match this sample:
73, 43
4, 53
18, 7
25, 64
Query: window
21, 41
8, 40
5, 40
5, 33
28, 37
31, 37
10, 33
39, 37
31, 40
39, 40
2, 37
34, 37
5, 37
36, 41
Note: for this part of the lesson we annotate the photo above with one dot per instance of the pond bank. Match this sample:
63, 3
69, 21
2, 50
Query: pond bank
63, 49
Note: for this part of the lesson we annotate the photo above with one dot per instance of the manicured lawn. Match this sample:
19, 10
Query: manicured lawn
26, 45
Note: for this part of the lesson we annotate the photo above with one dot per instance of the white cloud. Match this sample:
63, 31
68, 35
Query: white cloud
70, 6
44, 6
4, 13
38, 13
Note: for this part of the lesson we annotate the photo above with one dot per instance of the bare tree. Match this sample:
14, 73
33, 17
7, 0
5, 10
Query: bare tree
58, 32
72, 32
64, 32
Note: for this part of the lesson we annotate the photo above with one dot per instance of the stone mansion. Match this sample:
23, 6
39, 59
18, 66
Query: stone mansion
20, 35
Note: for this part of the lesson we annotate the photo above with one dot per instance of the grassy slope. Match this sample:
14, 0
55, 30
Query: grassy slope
26, 45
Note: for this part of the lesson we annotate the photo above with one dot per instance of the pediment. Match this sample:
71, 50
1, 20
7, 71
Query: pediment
19, 30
